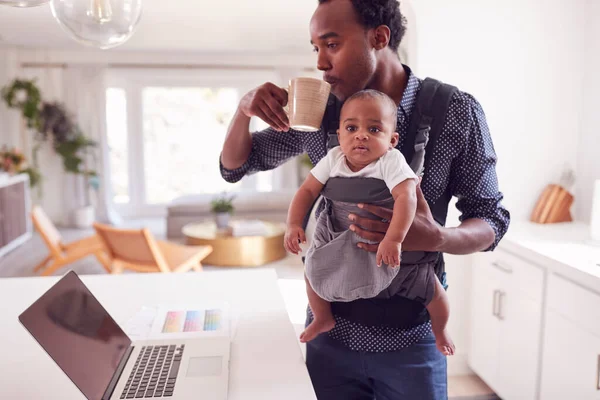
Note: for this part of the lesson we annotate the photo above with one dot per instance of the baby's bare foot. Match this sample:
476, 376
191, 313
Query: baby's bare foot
316, 327
444, 343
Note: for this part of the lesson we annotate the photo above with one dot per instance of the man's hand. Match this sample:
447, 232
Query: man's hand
266, 102
424, 234
294, 235
388, 252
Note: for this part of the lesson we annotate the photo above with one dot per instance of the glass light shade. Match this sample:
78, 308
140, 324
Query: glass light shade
23, 3
98, 23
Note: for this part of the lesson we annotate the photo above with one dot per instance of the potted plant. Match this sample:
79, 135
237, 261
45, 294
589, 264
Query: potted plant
53, 124
222, 207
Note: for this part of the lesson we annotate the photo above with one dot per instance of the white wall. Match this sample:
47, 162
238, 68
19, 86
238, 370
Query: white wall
9, 119
523, 60
588, 167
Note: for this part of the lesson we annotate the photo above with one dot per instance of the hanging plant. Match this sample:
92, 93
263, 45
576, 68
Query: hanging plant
54, 124
25, 96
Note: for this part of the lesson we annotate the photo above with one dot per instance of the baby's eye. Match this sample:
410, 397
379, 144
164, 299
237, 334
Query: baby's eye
351, 128
374, 129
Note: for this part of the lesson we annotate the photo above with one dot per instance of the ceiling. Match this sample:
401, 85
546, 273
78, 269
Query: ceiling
184, 25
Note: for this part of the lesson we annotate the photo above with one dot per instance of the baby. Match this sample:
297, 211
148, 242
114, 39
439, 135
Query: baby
335, 267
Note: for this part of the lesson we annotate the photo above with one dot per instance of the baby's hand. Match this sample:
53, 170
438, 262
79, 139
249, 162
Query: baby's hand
389, 252
294, 234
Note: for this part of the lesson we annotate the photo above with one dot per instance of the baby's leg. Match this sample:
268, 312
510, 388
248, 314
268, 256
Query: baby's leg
439, 311
323, 320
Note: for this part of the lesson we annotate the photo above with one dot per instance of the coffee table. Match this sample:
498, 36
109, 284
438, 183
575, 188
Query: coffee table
234, 247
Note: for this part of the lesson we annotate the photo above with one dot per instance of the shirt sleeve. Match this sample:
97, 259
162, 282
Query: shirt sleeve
475, 182
270, 149
395, 169
322, 171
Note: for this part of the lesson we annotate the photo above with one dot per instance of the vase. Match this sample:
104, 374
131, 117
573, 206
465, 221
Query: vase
222, 220
84, 217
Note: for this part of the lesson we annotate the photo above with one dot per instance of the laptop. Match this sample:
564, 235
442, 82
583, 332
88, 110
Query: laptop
105, 364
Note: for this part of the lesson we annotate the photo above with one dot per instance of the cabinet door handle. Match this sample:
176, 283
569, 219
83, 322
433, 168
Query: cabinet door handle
598, 374
495, 303
502, 267
500, 298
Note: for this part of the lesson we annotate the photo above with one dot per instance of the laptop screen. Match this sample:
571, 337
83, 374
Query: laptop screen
79, 335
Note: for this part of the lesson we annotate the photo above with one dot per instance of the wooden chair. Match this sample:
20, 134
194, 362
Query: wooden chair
138, 250
62, 254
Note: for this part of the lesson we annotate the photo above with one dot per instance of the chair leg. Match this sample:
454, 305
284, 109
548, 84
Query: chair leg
117, 268
52, 268
42, 264
103, 259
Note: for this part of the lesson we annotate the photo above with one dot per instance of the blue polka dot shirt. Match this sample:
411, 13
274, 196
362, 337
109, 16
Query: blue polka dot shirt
463, 159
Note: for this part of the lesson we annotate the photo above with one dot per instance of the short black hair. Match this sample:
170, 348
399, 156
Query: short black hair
374, 13
376, 94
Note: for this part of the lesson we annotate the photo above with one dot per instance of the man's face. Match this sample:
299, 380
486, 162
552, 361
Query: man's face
344, 52
366, 130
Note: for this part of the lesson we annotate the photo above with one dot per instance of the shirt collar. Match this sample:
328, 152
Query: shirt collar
410, 93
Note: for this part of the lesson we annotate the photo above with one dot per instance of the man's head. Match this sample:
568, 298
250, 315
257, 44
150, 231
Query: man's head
350, 35
367, 127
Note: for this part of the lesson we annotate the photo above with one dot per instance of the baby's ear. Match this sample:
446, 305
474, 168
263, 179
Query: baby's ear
395, 138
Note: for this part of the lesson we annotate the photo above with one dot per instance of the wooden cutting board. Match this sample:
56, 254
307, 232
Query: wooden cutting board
554, 205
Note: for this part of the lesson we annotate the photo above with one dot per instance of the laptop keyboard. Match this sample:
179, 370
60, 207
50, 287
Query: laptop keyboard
154, 373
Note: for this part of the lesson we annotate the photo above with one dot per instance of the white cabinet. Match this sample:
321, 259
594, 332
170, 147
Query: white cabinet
571, 360
506, 310
571, 352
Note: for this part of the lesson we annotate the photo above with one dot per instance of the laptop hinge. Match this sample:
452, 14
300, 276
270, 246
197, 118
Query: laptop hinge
117, 374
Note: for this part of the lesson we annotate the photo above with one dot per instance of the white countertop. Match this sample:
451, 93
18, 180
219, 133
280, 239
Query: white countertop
564, 248
266, 360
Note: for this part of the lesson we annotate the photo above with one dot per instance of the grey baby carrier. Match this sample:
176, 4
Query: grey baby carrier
336, 245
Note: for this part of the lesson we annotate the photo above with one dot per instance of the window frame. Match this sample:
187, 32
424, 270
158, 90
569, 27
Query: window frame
133, 81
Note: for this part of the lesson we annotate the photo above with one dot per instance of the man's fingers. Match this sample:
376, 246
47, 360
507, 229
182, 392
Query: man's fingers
372, 248
368, 235
370, 224
277, 109
279, 93
265, 117
303, 237
381, 212
271, 118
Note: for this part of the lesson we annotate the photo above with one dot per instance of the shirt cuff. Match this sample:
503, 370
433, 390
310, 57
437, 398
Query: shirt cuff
234, 175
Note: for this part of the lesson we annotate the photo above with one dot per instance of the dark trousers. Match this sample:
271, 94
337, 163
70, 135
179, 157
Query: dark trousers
417, 372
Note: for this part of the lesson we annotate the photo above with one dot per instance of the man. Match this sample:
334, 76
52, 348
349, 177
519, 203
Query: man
380, 348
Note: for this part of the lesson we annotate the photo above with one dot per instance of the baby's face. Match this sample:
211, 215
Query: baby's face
366, 130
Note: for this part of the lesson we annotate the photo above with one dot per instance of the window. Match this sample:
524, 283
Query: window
165, 135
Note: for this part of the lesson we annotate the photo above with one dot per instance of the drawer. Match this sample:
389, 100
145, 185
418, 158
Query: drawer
574, 302
521, 275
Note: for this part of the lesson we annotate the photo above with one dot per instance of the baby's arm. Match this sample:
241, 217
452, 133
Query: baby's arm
405, 207
299, 207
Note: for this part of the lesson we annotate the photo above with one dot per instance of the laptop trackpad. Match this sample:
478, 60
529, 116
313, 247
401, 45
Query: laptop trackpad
204, 366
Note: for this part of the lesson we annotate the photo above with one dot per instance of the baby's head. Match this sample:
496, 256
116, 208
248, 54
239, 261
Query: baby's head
367, 127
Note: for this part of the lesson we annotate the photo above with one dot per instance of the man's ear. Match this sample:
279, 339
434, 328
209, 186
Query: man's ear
395, 139
380, 37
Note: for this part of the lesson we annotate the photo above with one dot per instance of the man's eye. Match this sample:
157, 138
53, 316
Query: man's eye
316, 50
332, 45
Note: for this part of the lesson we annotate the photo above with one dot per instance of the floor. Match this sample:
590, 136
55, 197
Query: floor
21, 262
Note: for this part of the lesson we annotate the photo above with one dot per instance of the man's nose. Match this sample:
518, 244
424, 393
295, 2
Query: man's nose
323, 63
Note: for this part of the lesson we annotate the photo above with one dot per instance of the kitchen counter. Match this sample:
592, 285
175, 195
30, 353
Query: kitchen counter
564, 248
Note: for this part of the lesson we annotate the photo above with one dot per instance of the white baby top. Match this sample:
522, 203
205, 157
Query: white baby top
392, 168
